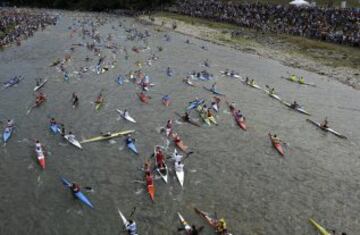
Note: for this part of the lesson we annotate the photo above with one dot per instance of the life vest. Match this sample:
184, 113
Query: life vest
131, 228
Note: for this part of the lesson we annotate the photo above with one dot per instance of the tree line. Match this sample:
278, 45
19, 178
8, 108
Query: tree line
93, 5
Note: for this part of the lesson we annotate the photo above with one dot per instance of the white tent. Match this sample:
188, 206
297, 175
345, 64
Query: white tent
299, 3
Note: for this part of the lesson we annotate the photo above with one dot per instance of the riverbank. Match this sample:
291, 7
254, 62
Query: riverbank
335, 61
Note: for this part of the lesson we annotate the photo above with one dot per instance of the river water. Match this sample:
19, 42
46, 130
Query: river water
234, 173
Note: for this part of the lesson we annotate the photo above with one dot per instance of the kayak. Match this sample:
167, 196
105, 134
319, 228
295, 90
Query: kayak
98, 105
253, 85
230, 75
78, 195
277, 146
126, 117
240, 122
54, 128
73, 141
194, 104
119, 80
204, 115
185, 224
299, 109
212, 119
101, 137
180, 175
12, 81
162, 172
211, 221
7, 134
132, 147
41, 158
180, 144
188, 82
213, 91
143, 98
166, 100
296, 80
123, 219
40, 85
190, 121
150, 188
327, 129
321, 230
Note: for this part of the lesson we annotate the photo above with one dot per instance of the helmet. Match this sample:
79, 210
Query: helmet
222, 221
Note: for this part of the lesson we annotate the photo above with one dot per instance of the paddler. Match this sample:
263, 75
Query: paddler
301, 80
221, 226
324, 124
99, 99
52, 122
213, 87
169, 124
10, 124
71, 136
129, 139
147, 169
186, 116
209, 114
195, 231
38, 81
75, 100
232, 107
107, 134
126, 113
275, 139
294, 105
247, 79
38, 149
252, 82
39, 98
62, 132
159, 158
179, 166
75, 188
131, 228
239, 114
272, 91
177, 157
293, 77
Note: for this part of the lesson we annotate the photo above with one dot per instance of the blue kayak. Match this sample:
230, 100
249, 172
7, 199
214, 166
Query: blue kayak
214, 91
194, 104
79, 195
54, 128
7, 134
132, 147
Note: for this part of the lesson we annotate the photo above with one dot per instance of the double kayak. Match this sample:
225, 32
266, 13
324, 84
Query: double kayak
327, 129
185, 224
299, 109
214, 91
299, 81
211, 221
73, 141
320, 229
126, 116
277, 146
8, 133
79, 195
36, 88
107, 137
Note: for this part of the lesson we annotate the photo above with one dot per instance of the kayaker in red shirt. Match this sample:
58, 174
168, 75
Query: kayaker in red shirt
75, 188
159, 158
149, 180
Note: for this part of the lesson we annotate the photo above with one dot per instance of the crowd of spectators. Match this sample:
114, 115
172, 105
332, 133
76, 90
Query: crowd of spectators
328, 24
18, 24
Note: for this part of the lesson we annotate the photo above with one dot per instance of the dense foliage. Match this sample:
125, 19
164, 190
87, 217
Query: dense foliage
93, 5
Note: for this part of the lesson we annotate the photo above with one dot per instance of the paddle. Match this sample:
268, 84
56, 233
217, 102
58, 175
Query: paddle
133, 211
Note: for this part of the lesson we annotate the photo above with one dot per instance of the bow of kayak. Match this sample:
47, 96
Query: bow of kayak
320, 229
185, 224
126, 117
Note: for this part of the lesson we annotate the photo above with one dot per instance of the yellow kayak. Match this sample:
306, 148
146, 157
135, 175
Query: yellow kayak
205, 118
321, 230
101, 137
98, 105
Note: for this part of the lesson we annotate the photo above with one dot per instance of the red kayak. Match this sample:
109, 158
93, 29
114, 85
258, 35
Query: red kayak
40, 157
240, 122
277, 146
144, 98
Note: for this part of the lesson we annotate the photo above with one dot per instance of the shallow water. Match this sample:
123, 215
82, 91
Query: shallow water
235, 173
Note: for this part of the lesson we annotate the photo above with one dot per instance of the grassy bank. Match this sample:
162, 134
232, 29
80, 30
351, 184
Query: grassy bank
329, 54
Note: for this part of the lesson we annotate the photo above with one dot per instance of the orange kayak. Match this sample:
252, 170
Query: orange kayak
277, 146
151, 189
180, 144
240, 122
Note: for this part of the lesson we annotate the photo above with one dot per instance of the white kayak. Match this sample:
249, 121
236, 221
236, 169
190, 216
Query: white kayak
126, 117
164, 172
230, 75
123, 219
327, 129
215, 107
185, 224
40, 85
180, 175
73, 141
273, 95
299, 109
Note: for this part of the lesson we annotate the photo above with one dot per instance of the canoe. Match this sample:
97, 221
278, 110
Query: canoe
73, 142
143, 98
41, 158
162, 172
113, 135
7, 134
78, 195
185, 224
126, 117
54, 128
321, 230
132, 147
180, 175
123, 219
213, 91
211, 221
277, 146
299, 109
40, 85
327, 129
